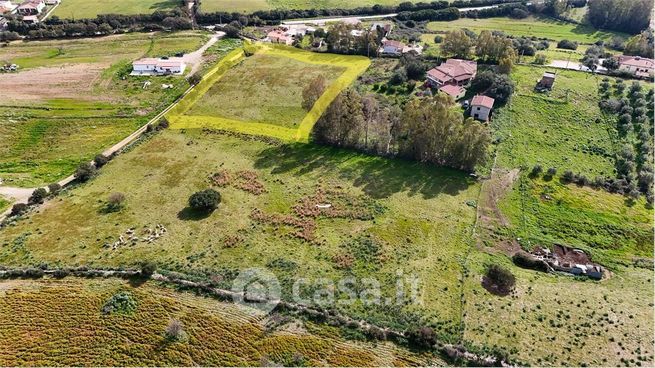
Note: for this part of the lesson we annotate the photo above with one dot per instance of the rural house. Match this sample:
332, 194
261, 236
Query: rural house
546, 81
31, 7
152, 66
7, 7
391, 47
456, 92
481, 107
453, 71
638, 66
279, 36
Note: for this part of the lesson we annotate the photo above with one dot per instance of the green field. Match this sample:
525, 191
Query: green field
390, 215
261, 90
70, 101
66, 326
77, 9
288, 124
530, 27
563, 128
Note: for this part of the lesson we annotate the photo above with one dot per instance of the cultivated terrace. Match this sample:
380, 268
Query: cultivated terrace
333, 183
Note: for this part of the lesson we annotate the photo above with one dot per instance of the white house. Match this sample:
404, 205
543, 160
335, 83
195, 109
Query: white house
31, 7
481, 107
7, 7
152, 66
52, 2
391, 47
638, 66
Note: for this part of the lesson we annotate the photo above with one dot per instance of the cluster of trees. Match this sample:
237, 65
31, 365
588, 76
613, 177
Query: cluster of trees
498, 86
641, 44
340, 40
630, 16
430, 15
425, 129
634, 162
567, 44
277, 15
54, 27
496, 49
515, 10
593, 55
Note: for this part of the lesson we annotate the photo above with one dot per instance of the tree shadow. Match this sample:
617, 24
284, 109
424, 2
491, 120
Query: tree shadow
378, 177
189, 214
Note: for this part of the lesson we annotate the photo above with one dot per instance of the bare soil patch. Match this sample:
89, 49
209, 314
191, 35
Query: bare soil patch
66, 81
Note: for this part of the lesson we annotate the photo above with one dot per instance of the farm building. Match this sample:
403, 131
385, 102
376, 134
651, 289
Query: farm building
31, 7
279, 36
453, 71
152, 66
456, 92
638, 66
547, 80
391, 47
481, 107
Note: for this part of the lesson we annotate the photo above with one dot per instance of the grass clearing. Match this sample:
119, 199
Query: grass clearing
564, 128
60, 322
541, 27
397, 215
249, 6
77, 9
555, 320
184, 115
46, 137
261, 90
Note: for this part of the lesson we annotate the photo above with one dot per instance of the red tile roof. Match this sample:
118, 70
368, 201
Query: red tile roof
454, 69
485, 101
636, 61
452, 90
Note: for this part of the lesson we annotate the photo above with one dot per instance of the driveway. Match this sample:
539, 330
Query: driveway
574, 65
195, 58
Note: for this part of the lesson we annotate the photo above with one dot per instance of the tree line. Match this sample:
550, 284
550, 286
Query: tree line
55, 27
425, 129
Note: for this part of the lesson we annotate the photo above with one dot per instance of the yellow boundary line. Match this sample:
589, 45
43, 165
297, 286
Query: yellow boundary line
355, 65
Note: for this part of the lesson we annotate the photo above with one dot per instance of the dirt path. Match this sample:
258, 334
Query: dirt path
195, 58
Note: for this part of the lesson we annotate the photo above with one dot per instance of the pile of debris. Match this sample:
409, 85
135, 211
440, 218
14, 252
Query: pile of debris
149, 235
569, 260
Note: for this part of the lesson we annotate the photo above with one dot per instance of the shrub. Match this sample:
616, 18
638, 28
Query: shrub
568, 176
54, 188
194, 79
231, 31
115, 201
120, 303
100, 160
500, 278
148, 269
422, 337
175, 330
526, 261
566, 44
85, 171
536, 171
18, 209
438, 39
540, 59
163, 124
551, 172
205, 200
38, 195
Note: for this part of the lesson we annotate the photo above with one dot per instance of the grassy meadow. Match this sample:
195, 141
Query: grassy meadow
563, 128
557, 320
232, 70
66, 326
540, 27
77, 9
389, 215
73, 98
260, 90
249, 6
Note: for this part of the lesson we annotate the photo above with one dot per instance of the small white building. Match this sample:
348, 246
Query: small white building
152, 66
31, 7
636, 65
52, 2
7, 7
391, 47
481, 107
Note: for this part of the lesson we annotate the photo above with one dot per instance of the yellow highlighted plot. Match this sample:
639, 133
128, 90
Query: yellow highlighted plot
353, 65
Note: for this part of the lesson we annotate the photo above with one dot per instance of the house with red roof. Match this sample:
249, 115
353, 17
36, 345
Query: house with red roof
481, 107
279, 36
456, 92
31, 7
392, 47
638, 66
454, 71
